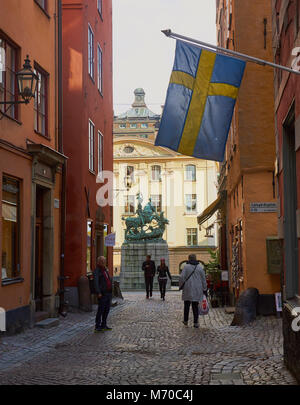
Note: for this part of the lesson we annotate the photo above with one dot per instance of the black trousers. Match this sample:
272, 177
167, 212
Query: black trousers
149, 285
187, 305
162, 287
103, 310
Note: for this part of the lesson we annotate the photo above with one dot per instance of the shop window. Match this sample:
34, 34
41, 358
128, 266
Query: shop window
10, 228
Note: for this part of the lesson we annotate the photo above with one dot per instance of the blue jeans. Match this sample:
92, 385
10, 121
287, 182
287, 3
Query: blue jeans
103, 310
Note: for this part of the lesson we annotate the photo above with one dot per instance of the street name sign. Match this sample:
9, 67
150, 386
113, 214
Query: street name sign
263, 207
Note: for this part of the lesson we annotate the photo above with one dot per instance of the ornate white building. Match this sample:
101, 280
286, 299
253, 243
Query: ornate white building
181, 186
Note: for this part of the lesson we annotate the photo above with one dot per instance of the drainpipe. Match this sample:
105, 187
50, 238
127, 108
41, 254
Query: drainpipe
62, 277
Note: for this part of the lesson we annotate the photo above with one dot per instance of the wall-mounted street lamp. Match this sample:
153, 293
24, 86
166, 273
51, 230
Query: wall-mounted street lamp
27, 82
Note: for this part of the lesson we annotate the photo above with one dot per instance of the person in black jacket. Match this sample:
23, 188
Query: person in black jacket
163, 271
149, 271
103, 288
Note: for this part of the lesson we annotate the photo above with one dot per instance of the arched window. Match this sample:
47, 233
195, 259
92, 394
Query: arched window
156, 173
190, 172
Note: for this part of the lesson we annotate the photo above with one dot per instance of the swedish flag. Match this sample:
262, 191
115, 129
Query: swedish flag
200, 101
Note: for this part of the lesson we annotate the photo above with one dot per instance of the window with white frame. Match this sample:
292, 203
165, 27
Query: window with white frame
190, 203
100, 155
8, 82
144, 125
99, 68
99, 6
91, 57
156, 202
41, 103
91, 145
122, 125
191, 237
129, 204
190, 173
133, 125
156, 173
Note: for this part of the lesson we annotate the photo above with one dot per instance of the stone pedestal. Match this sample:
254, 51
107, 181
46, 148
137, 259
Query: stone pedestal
132, 257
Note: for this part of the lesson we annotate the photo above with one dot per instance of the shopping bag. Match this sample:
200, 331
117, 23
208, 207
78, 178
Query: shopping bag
203, 306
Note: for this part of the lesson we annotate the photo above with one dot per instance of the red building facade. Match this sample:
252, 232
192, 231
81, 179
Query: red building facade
88, 122
286, 39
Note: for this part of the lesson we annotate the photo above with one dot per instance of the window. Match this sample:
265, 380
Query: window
91, 145
122, 125
8, 83
144, 125
128, 149
91, 58
41, 103
190, 173
156, 173
43, 4
99, 6
191, 203
89, 246
100, 155
99, 68
129, 178
156, 202
129, 204
191, 237
133, 125
10, 228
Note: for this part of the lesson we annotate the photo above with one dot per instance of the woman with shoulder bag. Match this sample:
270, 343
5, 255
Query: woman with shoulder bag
192, 282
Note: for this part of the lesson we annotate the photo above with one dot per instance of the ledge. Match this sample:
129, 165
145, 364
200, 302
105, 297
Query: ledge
10, 281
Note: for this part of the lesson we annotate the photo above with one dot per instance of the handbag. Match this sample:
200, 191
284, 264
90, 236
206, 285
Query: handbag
180, 288
203, 306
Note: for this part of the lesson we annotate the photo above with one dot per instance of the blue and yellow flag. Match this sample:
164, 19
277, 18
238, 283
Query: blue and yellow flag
200, 101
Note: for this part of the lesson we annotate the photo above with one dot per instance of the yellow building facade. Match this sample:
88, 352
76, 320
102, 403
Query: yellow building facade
180, 186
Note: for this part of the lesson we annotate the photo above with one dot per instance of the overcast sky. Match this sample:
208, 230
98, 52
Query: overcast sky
143, 56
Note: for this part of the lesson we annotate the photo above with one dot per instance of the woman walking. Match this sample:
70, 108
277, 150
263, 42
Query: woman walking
192, 280
163, 271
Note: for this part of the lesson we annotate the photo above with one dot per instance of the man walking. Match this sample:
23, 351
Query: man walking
149, 271
103, 288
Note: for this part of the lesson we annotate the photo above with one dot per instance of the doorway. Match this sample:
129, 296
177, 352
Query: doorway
38, 280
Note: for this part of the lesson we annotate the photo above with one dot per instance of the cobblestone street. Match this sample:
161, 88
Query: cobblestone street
148, 345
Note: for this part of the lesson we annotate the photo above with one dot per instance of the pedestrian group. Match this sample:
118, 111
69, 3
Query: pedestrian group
192, 283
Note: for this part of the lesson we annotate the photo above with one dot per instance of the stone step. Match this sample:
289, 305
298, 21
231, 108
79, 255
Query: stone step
40, 316
47, 323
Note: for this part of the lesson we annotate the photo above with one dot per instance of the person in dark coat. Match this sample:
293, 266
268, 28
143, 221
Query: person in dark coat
149, 272
163, 272
103, 288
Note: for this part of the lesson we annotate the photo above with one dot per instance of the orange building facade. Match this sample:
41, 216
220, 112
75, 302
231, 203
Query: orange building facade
31, 165
88, 127
249, 214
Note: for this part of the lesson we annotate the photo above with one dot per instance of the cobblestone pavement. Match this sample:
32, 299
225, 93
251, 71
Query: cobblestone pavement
148, 345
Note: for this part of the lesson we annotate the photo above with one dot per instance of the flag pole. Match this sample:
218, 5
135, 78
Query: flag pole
217, 49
